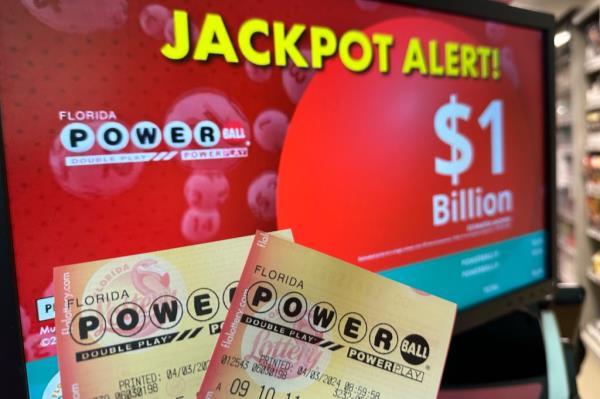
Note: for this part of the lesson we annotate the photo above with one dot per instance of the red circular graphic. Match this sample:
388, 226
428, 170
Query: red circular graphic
357, 173
206, 190
261, 196
153, 19
200, 225
79, 16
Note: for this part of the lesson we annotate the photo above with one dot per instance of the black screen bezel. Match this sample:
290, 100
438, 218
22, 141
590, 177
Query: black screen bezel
545, 23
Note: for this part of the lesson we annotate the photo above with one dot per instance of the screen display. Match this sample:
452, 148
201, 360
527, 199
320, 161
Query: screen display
407, 141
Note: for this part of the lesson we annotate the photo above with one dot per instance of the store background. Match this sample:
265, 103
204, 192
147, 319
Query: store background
577, 44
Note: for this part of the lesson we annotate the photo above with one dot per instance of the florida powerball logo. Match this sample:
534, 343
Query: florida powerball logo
117, 144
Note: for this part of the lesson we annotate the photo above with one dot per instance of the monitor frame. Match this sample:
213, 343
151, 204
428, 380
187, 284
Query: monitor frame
499, 12
11, 335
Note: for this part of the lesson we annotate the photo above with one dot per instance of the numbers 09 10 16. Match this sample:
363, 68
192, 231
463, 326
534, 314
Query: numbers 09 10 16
240, 388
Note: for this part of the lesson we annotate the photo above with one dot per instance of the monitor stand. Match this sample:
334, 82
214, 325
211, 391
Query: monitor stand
518, 356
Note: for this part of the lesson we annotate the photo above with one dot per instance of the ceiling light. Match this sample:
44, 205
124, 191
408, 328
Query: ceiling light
562, 38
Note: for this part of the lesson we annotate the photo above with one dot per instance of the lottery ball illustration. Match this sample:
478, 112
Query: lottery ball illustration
261, 196
209, 105
295, 80
153, 19
270, 128
200, 225
495, 31
368, 5
92, 181
206, 190
79, 16
258, 74
508, 66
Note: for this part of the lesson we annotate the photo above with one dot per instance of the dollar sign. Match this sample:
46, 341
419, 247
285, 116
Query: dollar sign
55, 4
446, 128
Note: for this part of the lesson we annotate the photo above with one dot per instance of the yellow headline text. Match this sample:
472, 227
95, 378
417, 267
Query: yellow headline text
357, 50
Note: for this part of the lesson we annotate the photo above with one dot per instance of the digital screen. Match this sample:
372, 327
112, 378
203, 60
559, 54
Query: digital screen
407, 141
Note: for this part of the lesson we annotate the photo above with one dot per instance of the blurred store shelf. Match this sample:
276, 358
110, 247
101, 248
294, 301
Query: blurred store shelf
566, 248
591, 337
563, 123
593, 233
593, 142
566, 216
592, 65
593, 276
585, 13
592, 103
592, 189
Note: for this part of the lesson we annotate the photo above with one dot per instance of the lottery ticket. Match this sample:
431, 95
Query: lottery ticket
145, 325
304, 325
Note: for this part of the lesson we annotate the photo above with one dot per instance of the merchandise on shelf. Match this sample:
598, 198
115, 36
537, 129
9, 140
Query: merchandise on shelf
593, 330
566, 268
566, 254
566, 237
596, 263
591, 166
593, 205
563, 112
564, 202
592, 119
592, 48
564, 165
563, 82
